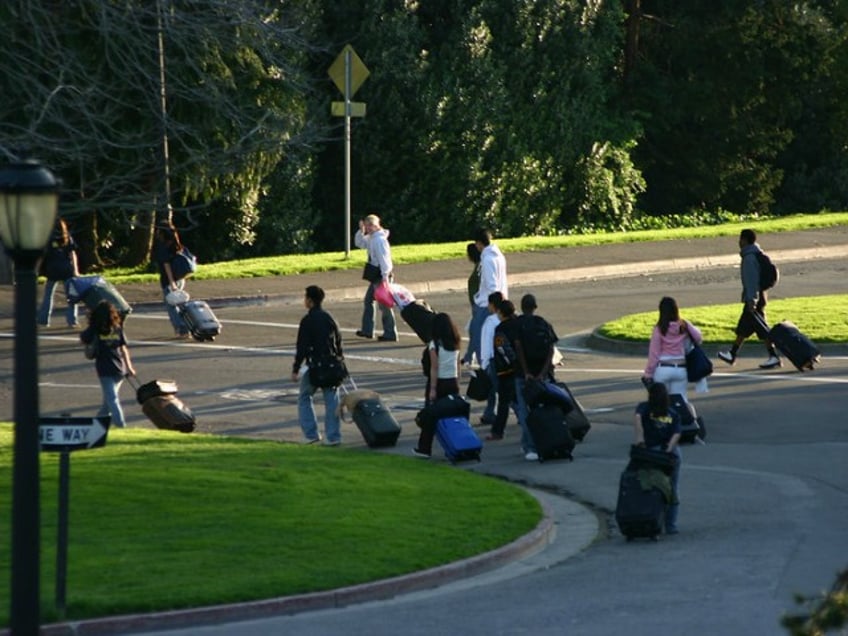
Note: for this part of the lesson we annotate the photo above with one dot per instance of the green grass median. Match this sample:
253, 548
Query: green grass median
824, 319
163, 521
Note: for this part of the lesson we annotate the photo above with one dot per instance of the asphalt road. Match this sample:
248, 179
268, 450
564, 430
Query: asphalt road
765, 501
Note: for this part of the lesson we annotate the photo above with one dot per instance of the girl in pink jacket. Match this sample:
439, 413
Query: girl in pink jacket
667, 351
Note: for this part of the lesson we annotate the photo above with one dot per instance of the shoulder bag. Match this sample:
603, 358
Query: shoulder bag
372, 273
327, 372
90, 348
183, 264
698, 364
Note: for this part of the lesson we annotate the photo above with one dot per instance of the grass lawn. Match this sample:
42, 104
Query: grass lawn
717, 322
162, 520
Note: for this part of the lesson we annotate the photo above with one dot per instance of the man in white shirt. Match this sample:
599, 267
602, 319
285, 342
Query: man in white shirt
487, 352
492, 279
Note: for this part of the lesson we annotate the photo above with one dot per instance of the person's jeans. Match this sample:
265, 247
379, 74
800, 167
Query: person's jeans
478, 317
674, 378
306, 411
110, 384
369, 315
177, 322
46, 308
527, 443
492, 400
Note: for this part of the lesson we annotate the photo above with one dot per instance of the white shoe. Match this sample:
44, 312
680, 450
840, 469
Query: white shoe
531, 456
728, 357
772, 363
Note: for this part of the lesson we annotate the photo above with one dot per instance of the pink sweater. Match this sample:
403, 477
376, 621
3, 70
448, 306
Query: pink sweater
672, 345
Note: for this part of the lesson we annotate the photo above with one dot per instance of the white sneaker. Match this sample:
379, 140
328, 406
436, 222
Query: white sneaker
531, 456
728, 357
772, 363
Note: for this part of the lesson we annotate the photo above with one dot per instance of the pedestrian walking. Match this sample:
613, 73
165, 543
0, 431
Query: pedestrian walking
502, 366
60, 265
372, 237
443, 379
657, 428
487, 352
670, 339
107, 345
754, 299
473, 285
166, 246
493, 278
534, 351
318, 341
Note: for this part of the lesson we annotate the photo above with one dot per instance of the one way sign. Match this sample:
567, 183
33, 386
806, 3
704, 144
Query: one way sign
65, 433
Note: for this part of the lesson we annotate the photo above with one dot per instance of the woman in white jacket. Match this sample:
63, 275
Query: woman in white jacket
374, 238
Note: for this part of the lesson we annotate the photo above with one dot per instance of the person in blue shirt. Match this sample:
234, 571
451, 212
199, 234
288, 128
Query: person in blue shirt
657, 427
60, 265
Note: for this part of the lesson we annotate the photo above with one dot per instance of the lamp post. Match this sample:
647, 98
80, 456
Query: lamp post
29, 196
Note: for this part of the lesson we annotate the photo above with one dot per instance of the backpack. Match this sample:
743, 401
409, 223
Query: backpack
769, 275
504, 358
536, 338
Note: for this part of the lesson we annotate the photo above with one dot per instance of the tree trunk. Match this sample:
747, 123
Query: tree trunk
141, 240
631, 46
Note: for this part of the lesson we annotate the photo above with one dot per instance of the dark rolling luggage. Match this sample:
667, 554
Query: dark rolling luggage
458, 439
376, 423
553, 440
160, 404
691, 424
559, 393
200, 320
639, 512
797, 347
419, 316
576, 420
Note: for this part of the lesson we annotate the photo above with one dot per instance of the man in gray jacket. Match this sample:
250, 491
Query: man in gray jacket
753, 318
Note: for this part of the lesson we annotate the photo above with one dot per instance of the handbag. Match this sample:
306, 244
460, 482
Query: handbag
183, 264
327, 372
479, 386
698, 364
383, 295
372, 273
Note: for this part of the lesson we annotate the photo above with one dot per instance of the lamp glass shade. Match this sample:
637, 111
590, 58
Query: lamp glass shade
29, 200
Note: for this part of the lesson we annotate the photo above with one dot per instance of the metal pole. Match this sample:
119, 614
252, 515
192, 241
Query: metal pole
24, 618
347, 151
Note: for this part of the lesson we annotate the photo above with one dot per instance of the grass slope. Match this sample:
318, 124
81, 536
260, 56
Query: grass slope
162, 520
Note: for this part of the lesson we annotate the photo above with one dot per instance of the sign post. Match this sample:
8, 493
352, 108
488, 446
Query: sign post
65, 434
348, 72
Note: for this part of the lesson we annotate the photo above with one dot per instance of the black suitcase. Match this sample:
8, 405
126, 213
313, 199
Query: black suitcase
691, 424
200, 320
155, 388
576, 420
169, 413
376, 423
797, 347
419, 316
550, 434
638, 512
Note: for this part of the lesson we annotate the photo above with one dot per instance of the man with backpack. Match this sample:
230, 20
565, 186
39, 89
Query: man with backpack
534, 351
758, 275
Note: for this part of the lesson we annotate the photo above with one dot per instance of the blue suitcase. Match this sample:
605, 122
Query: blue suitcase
458, 439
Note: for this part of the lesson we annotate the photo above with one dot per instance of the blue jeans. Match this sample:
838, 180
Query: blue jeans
46, 309
177, 322
521, 411
492, 400
369, 315
478, 317
306, 411
111, 402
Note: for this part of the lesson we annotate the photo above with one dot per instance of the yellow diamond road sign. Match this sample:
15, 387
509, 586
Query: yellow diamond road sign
358, 71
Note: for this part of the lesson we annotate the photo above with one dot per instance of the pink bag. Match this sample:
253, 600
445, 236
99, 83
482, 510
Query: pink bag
383, 295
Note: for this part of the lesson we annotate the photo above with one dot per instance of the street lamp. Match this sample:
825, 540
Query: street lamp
29, 198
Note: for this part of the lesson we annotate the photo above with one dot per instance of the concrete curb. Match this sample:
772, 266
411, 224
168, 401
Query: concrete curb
529, 544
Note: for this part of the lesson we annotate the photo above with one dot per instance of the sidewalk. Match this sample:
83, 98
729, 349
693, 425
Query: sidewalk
567, 527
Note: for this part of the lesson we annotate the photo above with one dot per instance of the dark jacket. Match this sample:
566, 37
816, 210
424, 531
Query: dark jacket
317, 337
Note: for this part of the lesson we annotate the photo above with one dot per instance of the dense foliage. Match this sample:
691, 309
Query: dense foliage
531, 117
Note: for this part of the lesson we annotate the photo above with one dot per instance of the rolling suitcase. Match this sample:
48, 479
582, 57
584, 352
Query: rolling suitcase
797, 347
553, 440
376, 423
102, 290
691, 424
576, 420
200, 320
639, 512
160, 404
458, 439
419, 316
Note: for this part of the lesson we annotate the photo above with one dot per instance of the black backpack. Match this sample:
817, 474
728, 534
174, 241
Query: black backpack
536, 338
768, 271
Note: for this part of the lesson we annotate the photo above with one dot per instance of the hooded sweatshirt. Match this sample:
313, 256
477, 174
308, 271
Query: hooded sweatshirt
379, 250
492, 275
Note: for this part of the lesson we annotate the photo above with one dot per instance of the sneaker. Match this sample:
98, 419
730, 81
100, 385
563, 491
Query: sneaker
484, 422
387, 339
728, 357
531, 456
362, 334
420, 454
333, 442
772, 363
493, 438
312, 441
